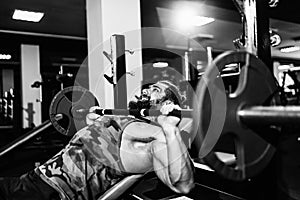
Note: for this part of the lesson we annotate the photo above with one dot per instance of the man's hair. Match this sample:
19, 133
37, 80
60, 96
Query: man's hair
172, 93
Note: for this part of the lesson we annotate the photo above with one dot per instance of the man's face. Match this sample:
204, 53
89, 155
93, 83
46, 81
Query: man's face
151, 97
157, 93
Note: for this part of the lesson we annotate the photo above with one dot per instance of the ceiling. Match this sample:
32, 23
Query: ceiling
227, 26
62, 17
67, 18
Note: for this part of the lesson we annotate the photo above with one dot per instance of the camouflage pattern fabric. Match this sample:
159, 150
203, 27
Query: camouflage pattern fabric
90, 164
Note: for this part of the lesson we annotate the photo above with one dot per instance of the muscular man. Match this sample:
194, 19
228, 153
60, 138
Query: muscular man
109, 149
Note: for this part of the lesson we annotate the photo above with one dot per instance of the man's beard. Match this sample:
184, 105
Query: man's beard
144, 102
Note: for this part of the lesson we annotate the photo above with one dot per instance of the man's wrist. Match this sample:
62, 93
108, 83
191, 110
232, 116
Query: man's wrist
170, 130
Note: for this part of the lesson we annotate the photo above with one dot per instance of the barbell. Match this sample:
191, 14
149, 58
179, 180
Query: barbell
218, 116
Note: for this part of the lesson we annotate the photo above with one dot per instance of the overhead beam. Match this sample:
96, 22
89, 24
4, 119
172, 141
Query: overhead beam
43, 34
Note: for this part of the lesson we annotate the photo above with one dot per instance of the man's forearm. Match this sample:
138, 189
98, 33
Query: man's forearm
179, 166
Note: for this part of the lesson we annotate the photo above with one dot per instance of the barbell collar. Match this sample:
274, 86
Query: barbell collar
270, 115
58, 117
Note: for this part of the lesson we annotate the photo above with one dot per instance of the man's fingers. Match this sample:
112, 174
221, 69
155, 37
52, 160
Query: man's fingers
177, 107
93, 108
166, 109
91, 116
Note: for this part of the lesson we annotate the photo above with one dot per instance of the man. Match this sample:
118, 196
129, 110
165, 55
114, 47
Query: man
111, 148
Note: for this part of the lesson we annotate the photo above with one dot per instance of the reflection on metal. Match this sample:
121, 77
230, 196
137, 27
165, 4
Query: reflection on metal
118, 189
248, 39
275, 38
30, 113
186, 67
270, 115
250, 26
108, 56
239, 42
231, 70
273, 3
25, 138
130, 51
68, 65
289, 49
131, 73
239, 5
209, 55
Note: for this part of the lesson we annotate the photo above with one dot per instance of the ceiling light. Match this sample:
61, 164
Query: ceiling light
201, 20
289, 49
183, 18
230, 66
160, 64
68, 59
27, 15
186, 18
5, 57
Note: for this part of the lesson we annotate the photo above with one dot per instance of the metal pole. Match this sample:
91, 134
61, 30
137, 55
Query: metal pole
263, 33
118, 189
250, 26
119, 71
25, 138
270, 115
144, 112
256, 29
209, 55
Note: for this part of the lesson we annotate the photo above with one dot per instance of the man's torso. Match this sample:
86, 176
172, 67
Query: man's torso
89, 164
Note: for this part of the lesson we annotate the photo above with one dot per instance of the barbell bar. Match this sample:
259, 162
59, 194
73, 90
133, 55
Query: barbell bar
270, 115
139, 113
251, 116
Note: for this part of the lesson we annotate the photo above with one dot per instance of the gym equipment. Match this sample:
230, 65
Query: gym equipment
273, 3
7, 108
249, 161
118, 189
66, 103
118, 56
140, 113
256, 85
244, 110
24, 138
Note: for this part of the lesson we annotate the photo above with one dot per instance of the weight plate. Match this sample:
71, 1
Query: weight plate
255, 85
65, 103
